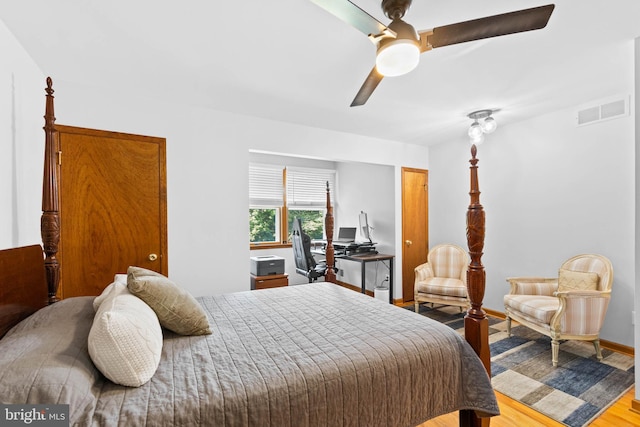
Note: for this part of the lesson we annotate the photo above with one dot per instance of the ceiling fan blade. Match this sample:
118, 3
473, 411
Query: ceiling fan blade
354, 16
491, 26
369, 85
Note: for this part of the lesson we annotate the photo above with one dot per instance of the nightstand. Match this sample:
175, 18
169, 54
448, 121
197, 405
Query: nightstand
270, 281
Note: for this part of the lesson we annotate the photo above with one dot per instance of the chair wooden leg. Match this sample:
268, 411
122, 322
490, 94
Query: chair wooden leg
555, 349
417, 307
596, 344
508, 319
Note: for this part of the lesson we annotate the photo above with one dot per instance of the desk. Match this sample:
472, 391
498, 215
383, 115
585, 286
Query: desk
363, 259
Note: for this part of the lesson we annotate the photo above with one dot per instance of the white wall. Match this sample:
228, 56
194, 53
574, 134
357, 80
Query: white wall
368, 188
637, 210
551, 190
21, 144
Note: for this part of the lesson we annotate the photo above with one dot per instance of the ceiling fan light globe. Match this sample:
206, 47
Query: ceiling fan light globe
489, 125
397, 58
475, 131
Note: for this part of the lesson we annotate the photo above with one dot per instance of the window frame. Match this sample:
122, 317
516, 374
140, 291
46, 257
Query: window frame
283, 209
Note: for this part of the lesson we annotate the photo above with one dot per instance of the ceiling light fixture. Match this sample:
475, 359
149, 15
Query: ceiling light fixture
399, 55
477, 130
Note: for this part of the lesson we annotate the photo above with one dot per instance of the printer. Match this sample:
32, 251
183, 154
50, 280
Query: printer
267, 265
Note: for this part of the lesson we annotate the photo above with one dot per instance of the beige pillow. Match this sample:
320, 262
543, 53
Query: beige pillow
176, 308
569, 280
125, 340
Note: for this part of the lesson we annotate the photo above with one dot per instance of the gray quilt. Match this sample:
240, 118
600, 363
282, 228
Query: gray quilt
306, 355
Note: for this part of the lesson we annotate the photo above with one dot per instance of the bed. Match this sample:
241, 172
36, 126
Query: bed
272, 357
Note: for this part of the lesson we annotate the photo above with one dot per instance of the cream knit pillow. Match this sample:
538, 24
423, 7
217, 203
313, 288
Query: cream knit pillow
125, 341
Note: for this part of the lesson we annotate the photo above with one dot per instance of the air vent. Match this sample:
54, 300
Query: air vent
604, 111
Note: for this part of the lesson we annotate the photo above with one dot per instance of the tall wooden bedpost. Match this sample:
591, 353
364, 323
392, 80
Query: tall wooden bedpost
50, 221
476, 325
330, 275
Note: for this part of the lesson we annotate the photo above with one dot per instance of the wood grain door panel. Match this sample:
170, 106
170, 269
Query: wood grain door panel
415, 226
112, 209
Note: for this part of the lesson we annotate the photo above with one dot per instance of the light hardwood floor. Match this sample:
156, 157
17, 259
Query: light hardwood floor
515, 414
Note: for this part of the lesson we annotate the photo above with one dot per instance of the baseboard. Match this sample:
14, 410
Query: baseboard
494, 313
353, 288
630, 351
635, 406
370, 293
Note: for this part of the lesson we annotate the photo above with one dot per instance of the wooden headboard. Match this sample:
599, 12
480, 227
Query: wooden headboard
23, 289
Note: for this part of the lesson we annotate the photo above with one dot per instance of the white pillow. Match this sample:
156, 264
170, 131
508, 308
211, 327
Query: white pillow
118, 278
125, 341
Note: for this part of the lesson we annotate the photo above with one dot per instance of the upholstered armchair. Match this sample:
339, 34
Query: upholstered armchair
571, 306
443, 278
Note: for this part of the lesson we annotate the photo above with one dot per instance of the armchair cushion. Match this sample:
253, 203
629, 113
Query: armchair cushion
569, 280
538, 307
442, 286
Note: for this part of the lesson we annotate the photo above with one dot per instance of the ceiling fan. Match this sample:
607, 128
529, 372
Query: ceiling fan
399, 45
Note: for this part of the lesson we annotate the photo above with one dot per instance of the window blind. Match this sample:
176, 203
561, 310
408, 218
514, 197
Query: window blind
265, 185
307, 187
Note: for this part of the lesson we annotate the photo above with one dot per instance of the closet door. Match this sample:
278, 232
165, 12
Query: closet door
113, 207
415, 226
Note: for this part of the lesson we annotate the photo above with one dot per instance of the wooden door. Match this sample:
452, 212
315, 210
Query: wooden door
113, 207
415, 226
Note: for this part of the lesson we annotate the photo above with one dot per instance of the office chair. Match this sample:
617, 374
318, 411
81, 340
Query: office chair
305, 262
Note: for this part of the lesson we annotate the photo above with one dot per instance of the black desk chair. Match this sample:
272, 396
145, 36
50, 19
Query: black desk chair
305, 262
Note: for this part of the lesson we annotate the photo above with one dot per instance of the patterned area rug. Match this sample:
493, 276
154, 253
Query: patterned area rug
574, 393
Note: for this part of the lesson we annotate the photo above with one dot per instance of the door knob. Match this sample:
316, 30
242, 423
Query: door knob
152, 257
408, 242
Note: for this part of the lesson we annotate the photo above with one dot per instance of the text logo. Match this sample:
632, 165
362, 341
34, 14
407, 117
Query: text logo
34, 415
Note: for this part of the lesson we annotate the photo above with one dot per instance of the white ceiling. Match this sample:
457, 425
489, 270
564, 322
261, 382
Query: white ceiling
292, 61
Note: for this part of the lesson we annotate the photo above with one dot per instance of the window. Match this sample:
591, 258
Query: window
312, 221
266, 195
278, 194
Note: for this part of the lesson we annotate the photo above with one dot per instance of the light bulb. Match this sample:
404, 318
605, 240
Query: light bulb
489, 125
475, 130
397, 58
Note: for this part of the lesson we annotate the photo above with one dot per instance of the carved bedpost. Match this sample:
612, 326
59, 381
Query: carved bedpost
330, 275
50, 221
476, 325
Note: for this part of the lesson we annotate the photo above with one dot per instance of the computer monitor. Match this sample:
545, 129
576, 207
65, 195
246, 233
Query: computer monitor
365, 230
